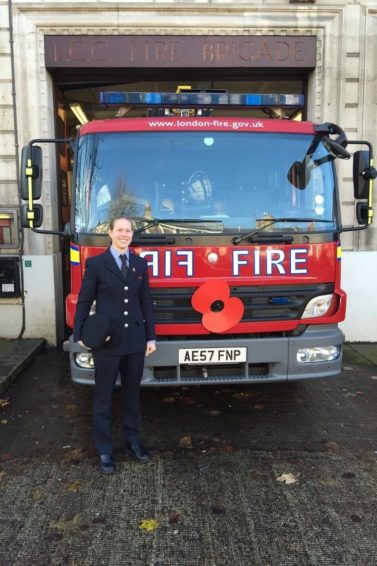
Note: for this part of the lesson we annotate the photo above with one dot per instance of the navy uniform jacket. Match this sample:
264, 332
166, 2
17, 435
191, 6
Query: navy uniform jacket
126, 302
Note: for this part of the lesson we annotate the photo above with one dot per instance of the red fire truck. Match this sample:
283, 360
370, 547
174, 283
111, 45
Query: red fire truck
239, 220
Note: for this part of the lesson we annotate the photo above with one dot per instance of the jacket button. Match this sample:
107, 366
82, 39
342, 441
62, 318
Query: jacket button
126, 313
126, 326
126, 288
126, 300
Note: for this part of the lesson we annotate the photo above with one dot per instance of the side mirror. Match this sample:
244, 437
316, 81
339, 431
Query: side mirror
31, 218
362, 209
363, 172
31, 168
299, 174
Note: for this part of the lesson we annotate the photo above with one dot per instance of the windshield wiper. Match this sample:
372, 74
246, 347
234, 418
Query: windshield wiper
154, 222
169, 221
239, 239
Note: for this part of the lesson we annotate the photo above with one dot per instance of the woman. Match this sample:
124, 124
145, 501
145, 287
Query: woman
118, 281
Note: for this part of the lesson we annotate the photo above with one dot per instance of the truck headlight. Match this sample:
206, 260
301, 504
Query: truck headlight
318, 306
84, 360
318, 354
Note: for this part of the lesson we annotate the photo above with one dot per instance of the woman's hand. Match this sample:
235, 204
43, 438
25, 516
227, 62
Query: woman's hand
150, 347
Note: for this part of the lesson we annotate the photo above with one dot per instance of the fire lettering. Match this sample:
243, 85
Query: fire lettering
183, 259
153, 263
189, 263
275, 258
274, 261
237, 261
295, 260
245, 262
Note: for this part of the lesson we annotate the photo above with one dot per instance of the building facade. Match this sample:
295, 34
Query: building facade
55, 51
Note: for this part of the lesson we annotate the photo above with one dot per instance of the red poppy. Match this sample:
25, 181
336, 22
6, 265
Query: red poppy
220, 311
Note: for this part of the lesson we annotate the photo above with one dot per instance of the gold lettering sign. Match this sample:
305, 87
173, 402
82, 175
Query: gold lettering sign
180, 51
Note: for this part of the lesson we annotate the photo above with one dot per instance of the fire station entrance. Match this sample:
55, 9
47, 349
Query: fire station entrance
82, 66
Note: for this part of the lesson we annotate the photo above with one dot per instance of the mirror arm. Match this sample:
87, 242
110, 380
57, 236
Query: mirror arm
332, 130
353, 228
362, 142
52, 232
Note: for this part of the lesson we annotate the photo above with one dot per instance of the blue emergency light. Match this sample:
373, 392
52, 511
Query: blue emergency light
196, 99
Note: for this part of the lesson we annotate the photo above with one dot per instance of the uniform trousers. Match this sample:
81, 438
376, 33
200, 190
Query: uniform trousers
130, 366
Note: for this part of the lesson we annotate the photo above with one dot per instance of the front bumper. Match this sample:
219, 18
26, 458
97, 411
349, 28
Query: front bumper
268, 359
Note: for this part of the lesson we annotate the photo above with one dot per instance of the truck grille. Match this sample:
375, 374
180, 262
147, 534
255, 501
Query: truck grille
262, 303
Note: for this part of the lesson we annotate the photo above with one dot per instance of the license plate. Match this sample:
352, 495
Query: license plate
212, 355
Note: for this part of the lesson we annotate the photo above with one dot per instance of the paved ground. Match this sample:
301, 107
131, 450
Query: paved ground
212, 495
15, 355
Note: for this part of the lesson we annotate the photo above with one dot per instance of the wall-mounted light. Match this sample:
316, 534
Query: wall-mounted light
79, 113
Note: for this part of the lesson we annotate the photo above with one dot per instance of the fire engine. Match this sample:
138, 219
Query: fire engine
238, 217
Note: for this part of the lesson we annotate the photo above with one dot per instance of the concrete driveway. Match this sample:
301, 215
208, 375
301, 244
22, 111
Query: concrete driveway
267, 475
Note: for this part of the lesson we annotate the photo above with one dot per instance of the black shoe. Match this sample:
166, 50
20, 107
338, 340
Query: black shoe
138, 452
106, 464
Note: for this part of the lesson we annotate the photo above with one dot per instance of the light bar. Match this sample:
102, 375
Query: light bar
195, 99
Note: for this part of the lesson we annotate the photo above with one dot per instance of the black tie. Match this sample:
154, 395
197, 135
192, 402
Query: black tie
124, 268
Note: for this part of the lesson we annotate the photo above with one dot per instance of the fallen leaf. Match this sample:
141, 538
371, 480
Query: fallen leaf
36, 494
149, 525
73, 487
71, 455
259, 407
185, 442
4, 402
217, 510
71, 409
6, 456
2, 474
4, 421
288, 478
348, 475
332, 447
360, 392
243, 395
373, 376
348, 368
175, 519
188, 401
215, 412
226, 448
67, 525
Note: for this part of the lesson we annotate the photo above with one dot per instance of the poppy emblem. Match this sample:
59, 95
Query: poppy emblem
220, 311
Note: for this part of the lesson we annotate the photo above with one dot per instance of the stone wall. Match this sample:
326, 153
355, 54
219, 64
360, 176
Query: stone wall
8, 153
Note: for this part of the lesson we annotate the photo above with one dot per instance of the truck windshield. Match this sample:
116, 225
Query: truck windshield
204, 182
